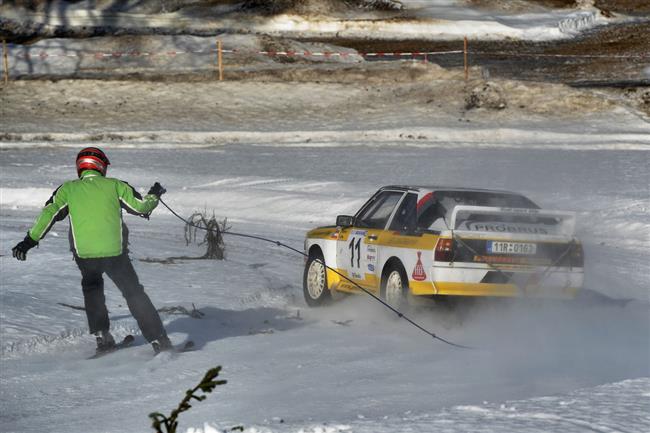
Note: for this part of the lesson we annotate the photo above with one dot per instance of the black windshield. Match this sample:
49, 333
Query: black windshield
436, 212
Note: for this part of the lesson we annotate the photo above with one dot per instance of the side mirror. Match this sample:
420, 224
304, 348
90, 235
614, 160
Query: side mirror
344, 221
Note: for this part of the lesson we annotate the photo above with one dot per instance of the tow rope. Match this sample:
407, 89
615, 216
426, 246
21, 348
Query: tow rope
541, 276
283, 245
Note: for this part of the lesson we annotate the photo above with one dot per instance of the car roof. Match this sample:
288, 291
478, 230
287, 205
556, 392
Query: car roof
445, 188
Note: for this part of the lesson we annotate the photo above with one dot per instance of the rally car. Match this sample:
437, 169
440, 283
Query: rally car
411, 241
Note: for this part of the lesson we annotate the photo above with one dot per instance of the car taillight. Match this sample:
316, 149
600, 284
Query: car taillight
577, 258
444, 250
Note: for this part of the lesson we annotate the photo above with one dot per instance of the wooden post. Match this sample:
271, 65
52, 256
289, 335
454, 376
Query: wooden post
465, 59
5, 61
220, 59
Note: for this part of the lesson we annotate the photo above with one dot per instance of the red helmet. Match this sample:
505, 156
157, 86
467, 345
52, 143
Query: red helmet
92, 158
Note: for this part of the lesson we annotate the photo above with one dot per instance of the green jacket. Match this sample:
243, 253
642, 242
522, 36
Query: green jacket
94, 204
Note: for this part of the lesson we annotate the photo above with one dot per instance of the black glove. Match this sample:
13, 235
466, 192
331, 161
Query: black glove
157, 190
20, 250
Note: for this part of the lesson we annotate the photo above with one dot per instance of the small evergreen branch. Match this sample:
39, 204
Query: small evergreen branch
207, 385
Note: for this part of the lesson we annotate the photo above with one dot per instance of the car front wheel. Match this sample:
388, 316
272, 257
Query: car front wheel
315, 281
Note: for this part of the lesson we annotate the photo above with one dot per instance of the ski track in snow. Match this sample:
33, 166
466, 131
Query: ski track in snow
542, 367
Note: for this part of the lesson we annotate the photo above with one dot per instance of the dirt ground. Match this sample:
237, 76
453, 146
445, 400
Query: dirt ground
379, 95
508, 59
630, 7
515, 60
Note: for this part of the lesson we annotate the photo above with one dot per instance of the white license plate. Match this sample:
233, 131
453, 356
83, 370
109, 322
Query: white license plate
498, 247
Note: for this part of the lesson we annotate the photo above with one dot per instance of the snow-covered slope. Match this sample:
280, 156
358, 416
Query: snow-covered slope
542, 367
424, 20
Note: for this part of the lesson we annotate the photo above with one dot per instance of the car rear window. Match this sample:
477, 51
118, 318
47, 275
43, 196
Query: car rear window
435, 214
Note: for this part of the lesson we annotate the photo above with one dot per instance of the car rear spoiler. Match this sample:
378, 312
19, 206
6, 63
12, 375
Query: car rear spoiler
528, 224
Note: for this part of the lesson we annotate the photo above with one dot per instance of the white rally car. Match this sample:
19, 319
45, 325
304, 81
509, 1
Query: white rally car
422, 241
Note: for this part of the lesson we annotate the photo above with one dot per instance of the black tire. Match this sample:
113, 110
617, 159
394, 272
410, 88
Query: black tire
394, 286
314, 281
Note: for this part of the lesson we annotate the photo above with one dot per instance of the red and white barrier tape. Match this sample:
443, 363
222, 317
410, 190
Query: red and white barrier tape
119, 54
411, 54
326, 54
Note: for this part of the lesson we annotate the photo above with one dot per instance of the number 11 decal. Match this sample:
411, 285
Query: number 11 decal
352, 246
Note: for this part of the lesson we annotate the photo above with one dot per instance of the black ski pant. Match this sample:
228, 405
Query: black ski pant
120, 270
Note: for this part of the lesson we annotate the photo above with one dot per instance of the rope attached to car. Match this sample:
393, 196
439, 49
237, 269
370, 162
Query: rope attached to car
283, 245
508, 278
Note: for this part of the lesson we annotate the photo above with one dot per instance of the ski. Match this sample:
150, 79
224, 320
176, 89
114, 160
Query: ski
126, 342
188, 346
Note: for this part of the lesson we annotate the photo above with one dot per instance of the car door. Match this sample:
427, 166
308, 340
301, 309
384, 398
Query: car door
357, 251
404, 241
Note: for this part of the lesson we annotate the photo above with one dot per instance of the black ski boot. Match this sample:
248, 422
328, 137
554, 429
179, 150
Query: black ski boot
105, 341
162, 344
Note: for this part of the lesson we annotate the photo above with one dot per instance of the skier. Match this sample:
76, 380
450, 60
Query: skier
99, 240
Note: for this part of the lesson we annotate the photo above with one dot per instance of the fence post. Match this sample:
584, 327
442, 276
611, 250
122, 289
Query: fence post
5, 61
220, 59
465, 59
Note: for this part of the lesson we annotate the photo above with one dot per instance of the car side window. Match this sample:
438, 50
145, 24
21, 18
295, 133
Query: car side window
432, 217
375, 215
406, 216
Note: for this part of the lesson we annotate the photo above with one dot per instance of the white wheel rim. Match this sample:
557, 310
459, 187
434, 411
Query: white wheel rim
394, 289
316, 279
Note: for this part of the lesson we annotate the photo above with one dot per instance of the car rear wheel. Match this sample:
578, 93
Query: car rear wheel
315, 281
395, 287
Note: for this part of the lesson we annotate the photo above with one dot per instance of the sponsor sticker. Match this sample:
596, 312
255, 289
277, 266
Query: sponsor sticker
499, 227
513, 260
371, 267
358, 232
418, 272
356, 275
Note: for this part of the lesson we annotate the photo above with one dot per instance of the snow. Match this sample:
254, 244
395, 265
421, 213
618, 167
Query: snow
584, 366
146, 54
439, 137
433, 20
278, 158
456, 22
